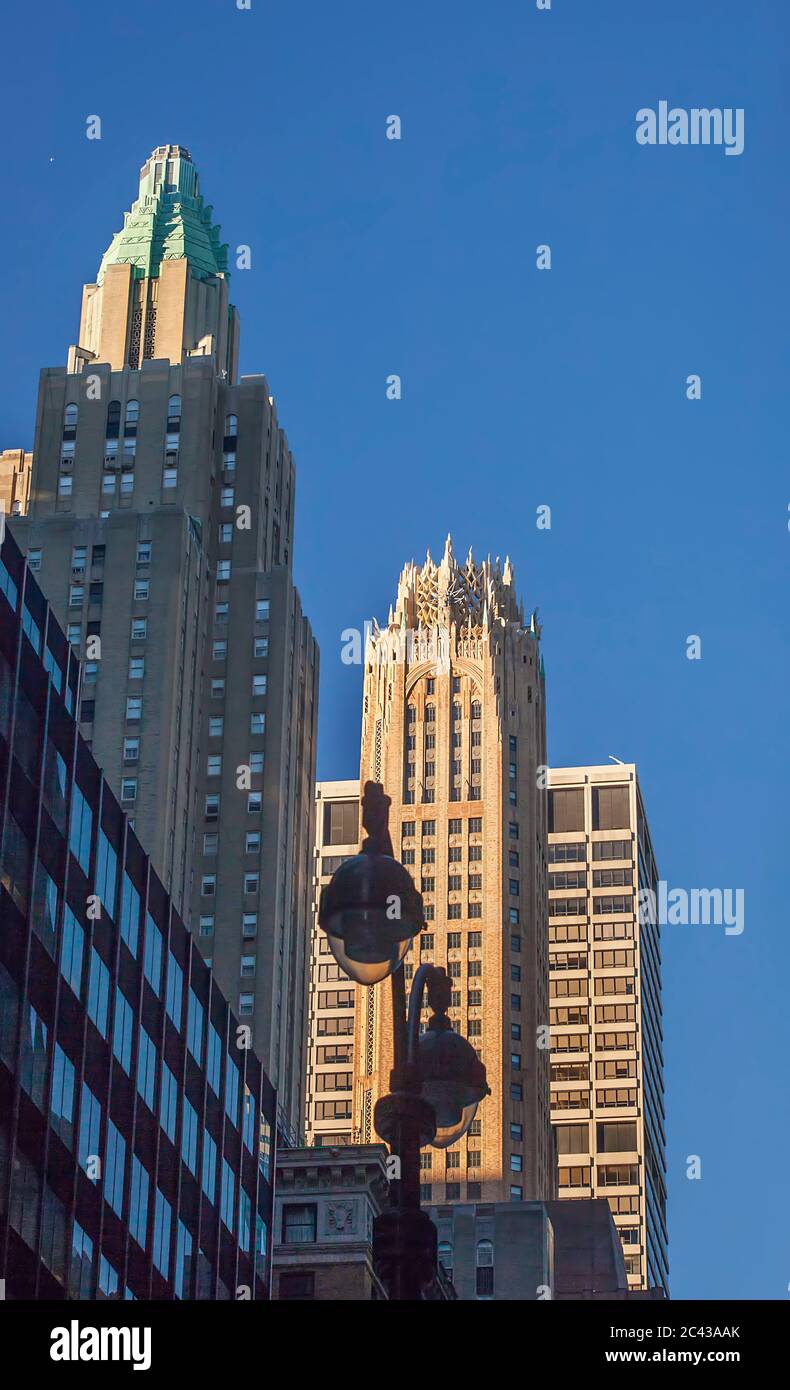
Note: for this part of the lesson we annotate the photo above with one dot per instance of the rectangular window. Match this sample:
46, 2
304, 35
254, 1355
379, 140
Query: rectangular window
62, 1102
195, 1026
130, 914
175, 987
214, 1060
209, 1176
90, 1126
72, 950
152, 962
168, 1103
98, 991
114, 1168
189, 1130
162, 1220
227, 1204
81, 829
123, 1027
138, 1202
299, 1223
231, 1090
146, 1069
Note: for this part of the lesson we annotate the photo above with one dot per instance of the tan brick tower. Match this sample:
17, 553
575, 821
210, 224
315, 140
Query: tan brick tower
453, 726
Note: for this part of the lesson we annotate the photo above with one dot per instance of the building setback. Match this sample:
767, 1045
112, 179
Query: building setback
15, 468
160, 522
607, 1089
136, 1122
453, 727
333, 996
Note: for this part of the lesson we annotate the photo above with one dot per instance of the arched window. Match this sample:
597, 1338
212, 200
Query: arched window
131, 419
113, 419
231, 426
445, 1253
70, 421
484, 1285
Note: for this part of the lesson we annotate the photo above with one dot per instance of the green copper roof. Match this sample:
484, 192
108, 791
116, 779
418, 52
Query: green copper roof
168, 221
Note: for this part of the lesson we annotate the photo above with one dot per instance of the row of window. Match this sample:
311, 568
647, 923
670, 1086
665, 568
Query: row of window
429, 711
569, 853
577, 907
474, 825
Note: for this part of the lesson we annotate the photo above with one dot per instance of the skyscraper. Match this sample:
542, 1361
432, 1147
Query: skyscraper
161, 523
453, 727
136, 1124
333, 996
607, 1091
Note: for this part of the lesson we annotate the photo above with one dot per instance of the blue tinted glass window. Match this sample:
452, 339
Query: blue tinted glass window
162, 1219
152, 963
231, 1090
209, 1180
130, 914
80, 829
214, 1059
106, 874
114, 1168
62, 1101
175, 985
98, 992
123, 1028
189, 1133
90, 1125
168, 1103
138, 1202
195, 1027
146, 1069
72, 950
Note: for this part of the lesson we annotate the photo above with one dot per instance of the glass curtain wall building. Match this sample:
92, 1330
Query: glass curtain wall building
136, 1122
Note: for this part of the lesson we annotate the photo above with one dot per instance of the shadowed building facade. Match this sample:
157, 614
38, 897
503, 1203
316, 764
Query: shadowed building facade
136, 1123
333, 996
607, 1089
160, 523
453, 727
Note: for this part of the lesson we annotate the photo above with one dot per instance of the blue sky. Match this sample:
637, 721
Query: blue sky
520, 388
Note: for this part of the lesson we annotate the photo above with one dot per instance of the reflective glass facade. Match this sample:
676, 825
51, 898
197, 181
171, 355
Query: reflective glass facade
136, 1123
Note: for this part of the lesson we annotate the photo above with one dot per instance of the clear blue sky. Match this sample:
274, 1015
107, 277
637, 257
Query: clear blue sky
520, 388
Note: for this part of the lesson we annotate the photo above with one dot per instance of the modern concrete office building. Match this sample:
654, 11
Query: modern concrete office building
331, 1013
136, 1125
160, 522
453, 727
607, 1094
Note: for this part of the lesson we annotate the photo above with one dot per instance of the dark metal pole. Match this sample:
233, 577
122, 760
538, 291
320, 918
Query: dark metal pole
404, 1238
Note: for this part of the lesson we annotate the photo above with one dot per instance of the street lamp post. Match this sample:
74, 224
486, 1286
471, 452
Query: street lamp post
371, 912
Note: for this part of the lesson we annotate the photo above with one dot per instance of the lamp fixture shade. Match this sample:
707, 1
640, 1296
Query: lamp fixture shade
453, 1080
371, 911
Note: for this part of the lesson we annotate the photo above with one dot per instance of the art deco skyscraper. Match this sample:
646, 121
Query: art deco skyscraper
161, 524
454, 729
607, 1091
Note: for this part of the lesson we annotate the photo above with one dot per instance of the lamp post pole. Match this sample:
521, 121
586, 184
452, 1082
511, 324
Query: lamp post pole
371, 912
404, 1237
